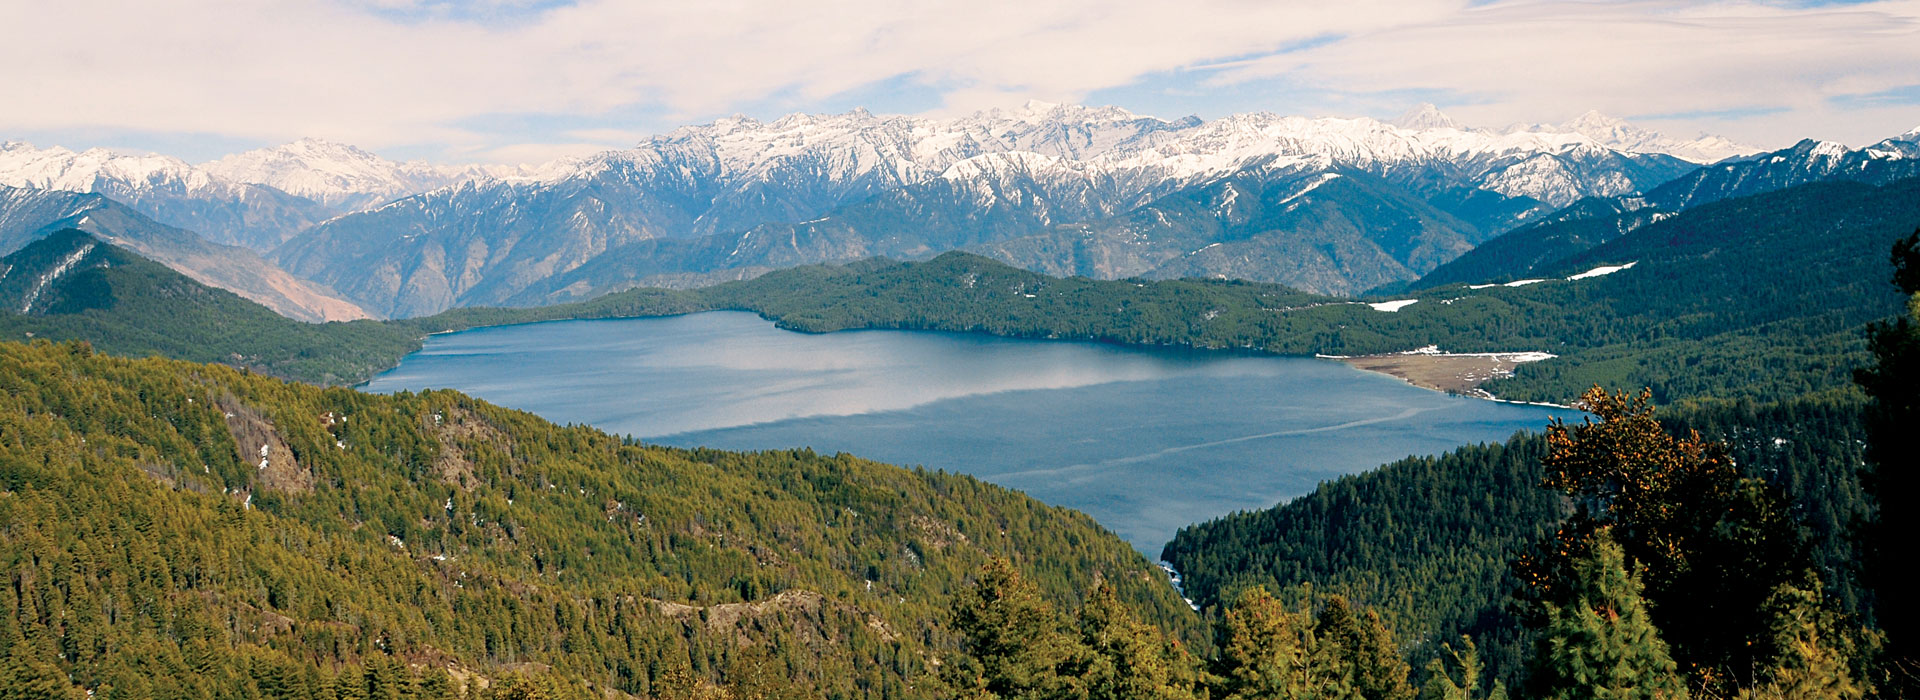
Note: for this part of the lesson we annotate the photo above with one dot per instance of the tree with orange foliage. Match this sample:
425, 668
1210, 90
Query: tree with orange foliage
1710, 544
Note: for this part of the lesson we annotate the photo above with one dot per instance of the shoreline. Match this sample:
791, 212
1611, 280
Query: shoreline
1459, 373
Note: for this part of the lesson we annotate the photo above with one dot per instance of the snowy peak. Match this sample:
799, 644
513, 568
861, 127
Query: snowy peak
337, 175
1595, 122
1424, 117
1619, 135
22, 165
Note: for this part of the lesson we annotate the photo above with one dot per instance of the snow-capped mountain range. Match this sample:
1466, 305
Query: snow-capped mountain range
343, 177
862, 149
809, 188
166, 189
739, 195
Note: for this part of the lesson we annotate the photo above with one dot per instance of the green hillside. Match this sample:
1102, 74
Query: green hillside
128, 305
1429, 541
187, 530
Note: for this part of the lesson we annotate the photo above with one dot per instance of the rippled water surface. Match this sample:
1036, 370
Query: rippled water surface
1145, 440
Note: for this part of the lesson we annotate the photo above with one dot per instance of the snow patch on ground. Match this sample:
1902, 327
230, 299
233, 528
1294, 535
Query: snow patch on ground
1311, 186
40, 285
1603, 270
1435, 351
1392, 306
1521, 283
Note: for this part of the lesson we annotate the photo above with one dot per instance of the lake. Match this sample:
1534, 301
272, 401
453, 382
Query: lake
1146, 440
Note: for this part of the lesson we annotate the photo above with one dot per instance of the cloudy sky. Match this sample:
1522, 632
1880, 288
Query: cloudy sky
528, 80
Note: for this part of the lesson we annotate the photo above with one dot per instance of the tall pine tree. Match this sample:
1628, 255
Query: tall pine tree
1016, 639
1601, 642
1269, 652
1893, 449
1128, 659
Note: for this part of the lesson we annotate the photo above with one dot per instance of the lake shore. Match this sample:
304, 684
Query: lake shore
1453, 373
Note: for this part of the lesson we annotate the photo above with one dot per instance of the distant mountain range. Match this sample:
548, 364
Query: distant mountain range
738, 197
168, 190
1546, 244
1336, 206
341, 177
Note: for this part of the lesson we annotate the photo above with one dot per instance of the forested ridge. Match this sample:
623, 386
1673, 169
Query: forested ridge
183, 530
1429, 541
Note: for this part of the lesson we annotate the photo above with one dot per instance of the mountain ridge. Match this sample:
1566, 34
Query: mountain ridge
29, 214
861, 185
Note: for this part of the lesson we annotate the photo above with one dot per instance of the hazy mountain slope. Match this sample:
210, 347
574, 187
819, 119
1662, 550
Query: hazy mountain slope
27, 214
1619, 135
1804, 162
166, 190
1326, 233
1519, 253
72, 285
339, 176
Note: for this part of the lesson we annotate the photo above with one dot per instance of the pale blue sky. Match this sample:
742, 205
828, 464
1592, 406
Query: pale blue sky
526, 81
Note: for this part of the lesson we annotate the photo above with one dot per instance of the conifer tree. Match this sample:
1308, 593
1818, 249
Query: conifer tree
1270, 653
1362, 651
1892, 385
1817, 651
1601, 642
1456, 676
27, 675
1127, 658
1018, 640
1711, 544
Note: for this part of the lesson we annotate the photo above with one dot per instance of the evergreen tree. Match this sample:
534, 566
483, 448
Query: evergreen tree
1892, 384
1711, 544
1818, 653
1601, 643
437, 684
1017, 639
1127, 659
1456, 675
1361, 651
1270, 653
27, 675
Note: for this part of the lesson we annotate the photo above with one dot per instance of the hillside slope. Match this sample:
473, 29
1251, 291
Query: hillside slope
27, 214
177, 530
1428, 541
72, 285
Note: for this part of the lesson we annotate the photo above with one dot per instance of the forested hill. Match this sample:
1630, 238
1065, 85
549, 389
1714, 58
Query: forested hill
188, 530
1429, 541
1759, 297
71, 285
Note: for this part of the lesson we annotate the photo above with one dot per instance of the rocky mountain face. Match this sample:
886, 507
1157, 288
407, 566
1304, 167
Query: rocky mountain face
1805, 162
26, 215
737, 196
1526, 250
1327, 232
167, 190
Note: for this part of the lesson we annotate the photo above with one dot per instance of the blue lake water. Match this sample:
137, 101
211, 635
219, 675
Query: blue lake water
1144, 440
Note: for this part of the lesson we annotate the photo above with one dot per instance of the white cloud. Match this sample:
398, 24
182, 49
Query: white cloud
1543, 60
360, 72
